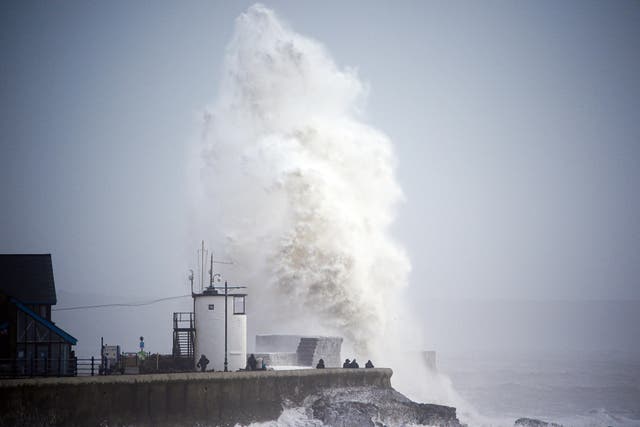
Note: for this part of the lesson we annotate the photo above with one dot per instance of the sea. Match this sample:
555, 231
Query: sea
575, 389
596, 389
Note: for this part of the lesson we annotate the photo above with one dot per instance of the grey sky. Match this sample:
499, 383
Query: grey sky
516, 125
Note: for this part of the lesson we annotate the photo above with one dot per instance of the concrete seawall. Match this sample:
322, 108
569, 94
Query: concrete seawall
215, 398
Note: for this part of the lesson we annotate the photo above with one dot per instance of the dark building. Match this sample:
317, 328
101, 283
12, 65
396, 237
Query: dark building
30, 343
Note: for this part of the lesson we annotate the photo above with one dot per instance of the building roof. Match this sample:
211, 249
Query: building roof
44, 322
28, 278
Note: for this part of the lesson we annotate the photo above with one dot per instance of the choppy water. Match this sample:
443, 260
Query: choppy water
581, 390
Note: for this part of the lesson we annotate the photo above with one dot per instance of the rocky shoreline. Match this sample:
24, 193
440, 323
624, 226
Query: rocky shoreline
376, 407
533, 422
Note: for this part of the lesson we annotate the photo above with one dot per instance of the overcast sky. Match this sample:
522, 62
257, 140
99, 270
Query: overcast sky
516, 127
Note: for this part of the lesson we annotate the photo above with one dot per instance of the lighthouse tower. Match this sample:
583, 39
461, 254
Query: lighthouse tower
221, 327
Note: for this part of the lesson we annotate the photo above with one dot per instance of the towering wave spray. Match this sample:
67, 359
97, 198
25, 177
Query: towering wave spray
303, 192
301, 187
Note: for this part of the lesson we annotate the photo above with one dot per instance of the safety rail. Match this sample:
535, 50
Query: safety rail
183, 320
38, 367
88, 367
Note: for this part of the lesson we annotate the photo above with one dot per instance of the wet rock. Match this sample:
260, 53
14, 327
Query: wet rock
376, 407
532, 422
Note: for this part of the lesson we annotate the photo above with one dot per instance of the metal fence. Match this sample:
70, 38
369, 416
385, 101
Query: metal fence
37, 367
88, 367
43, 367
129, 363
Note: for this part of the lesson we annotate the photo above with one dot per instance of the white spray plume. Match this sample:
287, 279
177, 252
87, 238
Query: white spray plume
303, 190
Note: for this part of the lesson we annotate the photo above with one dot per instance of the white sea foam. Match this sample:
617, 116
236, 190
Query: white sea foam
292, 417
303, 417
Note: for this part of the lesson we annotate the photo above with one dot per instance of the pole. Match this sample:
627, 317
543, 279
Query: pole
225, 328
211, 272
192, 323
101, 371
202, 267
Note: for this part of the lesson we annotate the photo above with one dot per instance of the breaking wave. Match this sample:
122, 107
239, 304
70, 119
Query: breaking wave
302, 188
302, 191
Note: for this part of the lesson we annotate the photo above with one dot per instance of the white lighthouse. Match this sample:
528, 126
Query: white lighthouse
221, 335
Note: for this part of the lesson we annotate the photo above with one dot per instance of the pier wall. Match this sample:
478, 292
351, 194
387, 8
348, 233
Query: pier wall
184, 399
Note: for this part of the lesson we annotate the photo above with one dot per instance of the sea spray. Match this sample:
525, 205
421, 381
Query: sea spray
303, 191
301, 187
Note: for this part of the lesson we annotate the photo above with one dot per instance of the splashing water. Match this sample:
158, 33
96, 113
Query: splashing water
303, 190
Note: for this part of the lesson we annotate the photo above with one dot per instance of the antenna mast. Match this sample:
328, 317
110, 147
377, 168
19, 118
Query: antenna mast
211, 271
203, 257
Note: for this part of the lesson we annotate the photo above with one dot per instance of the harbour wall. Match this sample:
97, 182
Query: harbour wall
183, 399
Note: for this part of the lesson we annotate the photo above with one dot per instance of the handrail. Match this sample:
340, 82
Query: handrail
38, 367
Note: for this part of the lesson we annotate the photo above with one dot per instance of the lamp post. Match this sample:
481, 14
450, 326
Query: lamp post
225, 327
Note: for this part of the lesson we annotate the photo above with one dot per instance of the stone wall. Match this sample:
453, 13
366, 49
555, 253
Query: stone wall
185, 399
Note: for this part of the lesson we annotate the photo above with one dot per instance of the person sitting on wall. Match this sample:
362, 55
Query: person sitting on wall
202, 363
320, 364
368, 364
252, 362
346, 364
354, 364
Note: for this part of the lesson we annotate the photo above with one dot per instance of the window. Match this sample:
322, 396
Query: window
238, 305
211, 306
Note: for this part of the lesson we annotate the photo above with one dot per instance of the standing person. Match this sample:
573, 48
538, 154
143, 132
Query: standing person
368, 364
202, 363
354, 364
346, 364
252, 362
320, 364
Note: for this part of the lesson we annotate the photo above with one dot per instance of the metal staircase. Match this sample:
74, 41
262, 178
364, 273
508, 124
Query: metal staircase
184, 334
